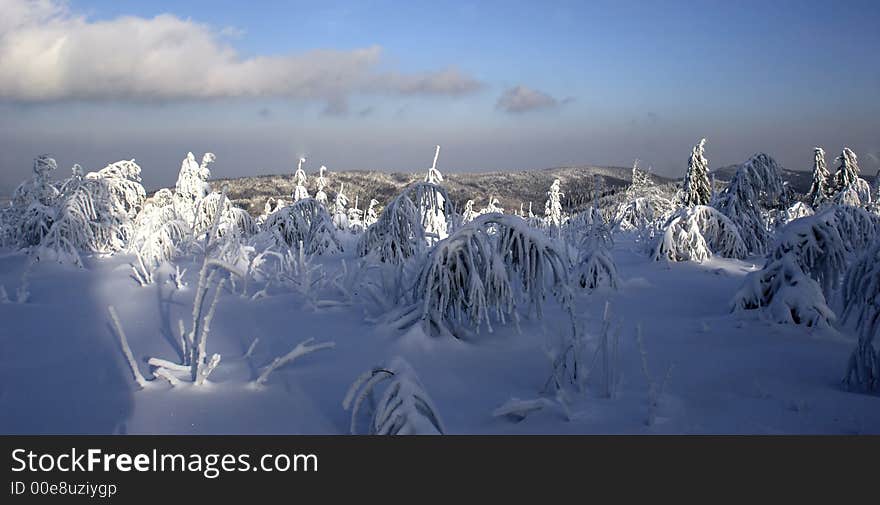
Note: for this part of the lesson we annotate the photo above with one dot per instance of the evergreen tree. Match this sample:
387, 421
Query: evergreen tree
696, 190
819, 189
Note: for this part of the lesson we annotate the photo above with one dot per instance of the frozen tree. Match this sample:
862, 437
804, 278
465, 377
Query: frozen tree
192, 185
796, 211
433, 217
305, 222
340, 214
400, 231
594, 266
232, 219
756, 187
861, 302
469, 213
494, 207
696, 233
847, 178
299, 177
371, 216
158, 233
805, 266
553, 206
819, 190
33, 205
96, 213
355, 218
696, 189
320, 196
475, 277
404, 408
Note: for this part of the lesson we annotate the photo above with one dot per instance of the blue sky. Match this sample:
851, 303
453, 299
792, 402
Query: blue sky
587, 82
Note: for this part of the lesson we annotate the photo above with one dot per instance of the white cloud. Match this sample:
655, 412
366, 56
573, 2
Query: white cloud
523, 99
48, 53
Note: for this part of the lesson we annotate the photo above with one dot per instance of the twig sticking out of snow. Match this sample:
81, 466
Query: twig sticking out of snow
126, 350
300, 350
250, 350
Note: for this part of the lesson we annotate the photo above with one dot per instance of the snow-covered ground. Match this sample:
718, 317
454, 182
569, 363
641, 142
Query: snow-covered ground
62, 369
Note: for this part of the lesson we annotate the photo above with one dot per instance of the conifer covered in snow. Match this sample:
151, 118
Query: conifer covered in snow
850, 189
696, 189
696, 233
755, 189
805, 266
192, 185
553, 206
340, 209
300, 178
433, 217
469, 213
861, 302
322, 182
475, 278
404, 408
33, 204
371, 216
305, 222
400, 231
355, 218
595, 266
819, 188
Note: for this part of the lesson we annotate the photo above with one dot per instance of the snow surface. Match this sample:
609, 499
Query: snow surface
62, 369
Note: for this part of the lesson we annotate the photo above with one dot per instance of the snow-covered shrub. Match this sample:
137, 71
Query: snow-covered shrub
300, 192
595, 266
95, 214
232, 219
475, 277
819, 188
847, 179
400, 231
404, 407
756, 188
861, 302
305, 222
355, 218
848, 196
805, 266
696, 233
643, 205
696, 189
796, 211
33, 212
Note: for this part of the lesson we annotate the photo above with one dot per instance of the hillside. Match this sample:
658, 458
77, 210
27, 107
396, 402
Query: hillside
511, 188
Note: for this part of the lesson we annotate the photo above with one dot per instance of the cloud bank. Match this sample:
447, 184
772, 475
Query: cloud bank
519, 99
49, 53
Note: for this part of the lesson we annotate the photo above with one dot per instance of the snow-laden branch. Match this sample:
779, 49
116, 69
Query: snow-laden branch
299, 351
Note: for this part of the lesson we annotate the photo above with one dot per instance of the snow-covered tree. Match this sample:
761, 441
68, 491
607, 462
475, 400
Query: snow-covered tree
494, 207
33, 204
755, 189
305, 222
819, 190
847, 179
805, 266
399, 233
96, 213
433, 217
861, 302
192, 185
595, 266
320, 195
371, 216
696, 189
475, 278
796, 211
469, 213
232, 218
404, 407
553, 206
340, 209
355, 218
300, 178
695, 233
